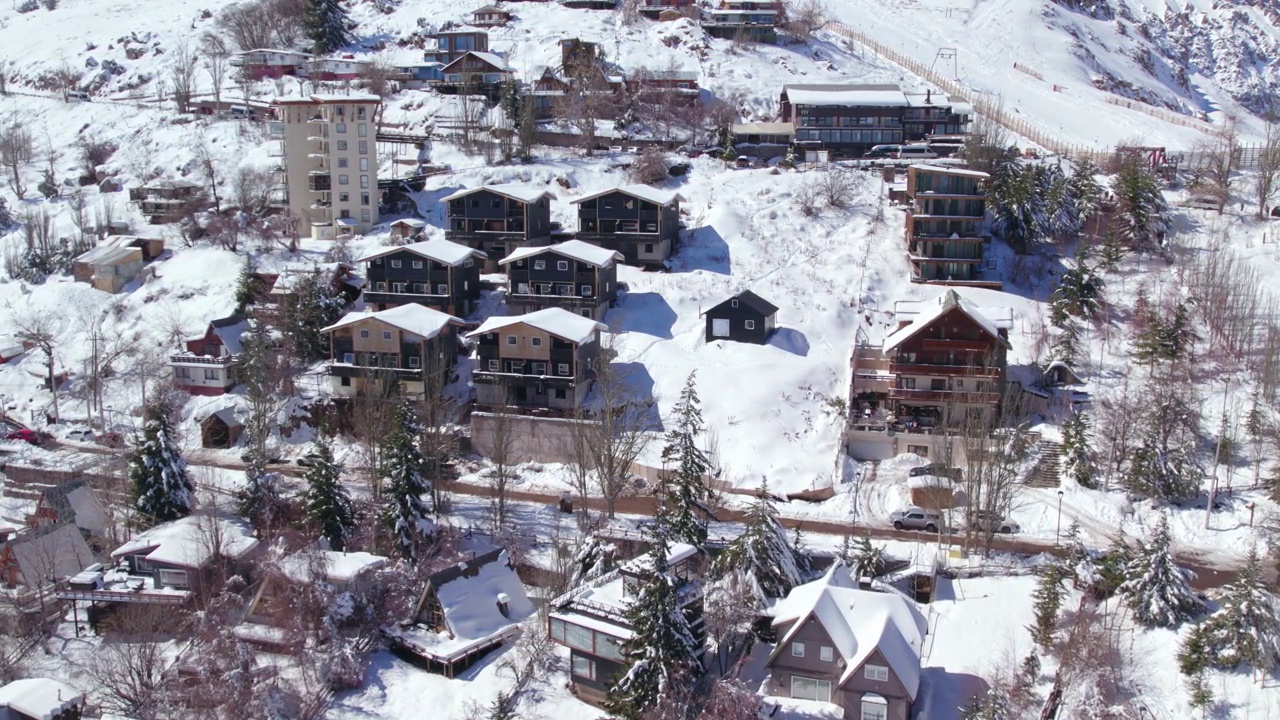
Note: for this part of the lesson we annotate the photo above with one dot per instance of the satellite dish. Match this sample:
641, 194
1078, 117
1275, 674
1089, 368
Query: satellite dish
839, 662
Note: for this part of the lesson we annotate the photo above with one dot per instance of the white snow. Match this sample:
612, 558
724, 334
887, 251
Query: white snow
191, 541
647, 193
470, 602
442, 251
556, 321
40, 698
572, 249
417, 319
846, 95
930, 312
515, 191
339, 567
953, 171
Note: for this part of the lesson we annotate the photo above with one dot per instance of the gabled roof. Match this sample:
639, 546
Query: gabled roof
190, 541
469, 593
230, 330
573, 249
75, 502
109, 255
489, 9
50, 552
647, 193
416, 319
227, 416
486, 57
556, 321
859, 622
514, 191
751, 300
943, 304
948, 170
442, 251
337, 567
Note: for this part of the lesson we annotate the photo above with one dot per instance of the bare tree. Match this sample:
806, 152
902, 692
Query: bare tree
182, 75
217, 56
1219, 159
995, 442
576, 449
94, 152
209, 167
378, 77
1268, 169
263, 23
129, 674
503, 440
588, 101
987, 144
804, 18
622, 430
17, 150
650, 168
40, 329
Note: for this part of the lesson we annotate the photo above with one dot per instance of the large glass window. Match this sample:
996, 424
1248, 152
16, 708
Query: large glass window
583, 667
803, 688
578, 638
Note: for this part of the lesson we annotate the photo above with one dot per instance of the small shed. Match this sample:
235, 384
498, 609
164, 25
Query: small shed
745, 317
1059, 374
407, 228
40, 699
220, 430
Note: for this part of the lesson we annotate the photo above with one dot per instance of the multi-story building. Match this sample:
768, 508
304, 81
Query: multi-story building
453, 44
850, 119
331, 164
410, 345
573, 275
476, 72
945, 212
941, 367
639, 221
591, 620
207, 363
753, 20
266, 63
542, 359
663, 9
497, 219
438, 274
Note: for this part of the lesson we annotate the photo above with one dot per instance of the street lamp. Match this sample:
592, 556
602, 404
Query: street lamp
1058, 532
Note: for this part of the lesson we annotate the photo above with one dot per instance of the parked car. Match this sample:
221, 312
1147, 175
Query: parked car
882, 151
914, 518
615, 148
77, 96
938, 469
1202, 202
78, 435
309, 459
634, 150
27, 436
273, 457
743, 161
992, 522
915, 152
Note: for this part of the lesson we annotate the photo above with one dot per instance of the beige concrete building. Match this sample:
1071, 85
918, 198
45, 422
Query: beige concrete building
330, 161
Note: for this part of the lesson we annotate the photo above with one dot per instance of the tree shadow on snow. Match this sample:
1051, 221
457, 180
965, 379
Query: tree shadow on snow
791, 340
639, 383
645, 312
943, 693
702, 249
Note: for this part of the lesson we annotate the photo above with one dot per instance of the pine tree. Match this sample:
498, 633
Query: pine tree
259, 499
995, 704
1077, 451
1067, 344
1062, 218
685, 492
311, 307
404, 469
1017, 209
1245, 629
503, 707
244, 286
1110, 251
1142, 214
6, 216
1193, 652
761, 555
1201, 694
1157, 590
1113, 568
1048, 603
326, 500
162, 489
868, 560
326, 25
1086, 193
1164, 463
1079, 291
663, 651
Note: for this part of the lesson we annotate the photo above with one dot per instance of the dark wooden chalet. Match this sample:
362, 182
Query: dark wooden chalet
542, 359
409, 345
497, 219
572, 275
745, 317
439, 274
453, 44
639, 221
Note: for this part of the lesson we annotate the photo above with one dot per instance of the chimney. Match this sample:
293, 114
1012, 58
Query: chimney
928, 97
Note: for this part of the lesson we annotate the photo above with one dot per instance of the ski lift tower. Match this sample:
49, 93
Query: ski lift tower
945, 55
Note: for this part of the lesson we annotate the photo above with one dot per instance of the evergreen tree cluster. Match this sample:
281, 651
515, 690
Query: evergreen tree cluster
766, 563
1164, 463
1244, 632
403, 467
327, 25
1156, 589
1142, 214
1047, 599
326, 500
1033, 202
311, 307
38, 262
1165, 340
1077, 451
162, 489
685, 494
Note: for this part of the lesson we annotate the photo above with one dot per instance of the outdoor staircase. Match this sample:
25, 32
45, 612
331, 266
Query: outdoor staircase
1047, 471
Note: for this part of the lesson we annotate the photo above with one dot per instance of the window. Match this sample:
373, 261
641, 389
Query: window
719, 328
341, 127
364, 164
648, 248
364, 181
344, 180
211, 374
566, 291
522, 289
909, 383
539, 368
386, 334
468, 263
344, 382
415, 361
420, 288
606, 647
362, 129
539, 264
586, 291
511, 340
398, 287
874, 708
364, 333
349, 358
364, 216
536, 341
495, 203
442, 289
583, 667
344, 197
797, 649
733, 303
562, 368
578, 638
342, 162
559, 394
342, 146
360, 112
879, 673
184, 373
493, 365
395, 263
803, 688
364, 147
173, 578
750, 324
364, 198
562, 265
417, 264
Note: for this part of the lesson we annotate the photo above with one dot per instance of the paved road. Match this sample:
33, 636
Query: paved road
1208, 573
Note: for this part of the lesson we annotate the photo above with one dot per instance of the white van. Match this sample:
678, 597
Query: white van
77, 96
241, 111
916, 152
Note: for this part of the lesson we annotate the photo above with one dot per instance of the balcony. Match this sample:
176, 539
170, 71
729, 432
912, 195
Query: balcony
492, 377
974, 371
944, 396
560, 301
319, 181
401, 298
275, 129
202, 360
341, 369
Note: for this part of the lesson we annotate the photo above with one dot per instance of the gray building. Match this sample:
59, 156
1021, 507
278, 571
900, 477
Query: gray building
572, 275
851, 119
438, 274
639, 221
497, 219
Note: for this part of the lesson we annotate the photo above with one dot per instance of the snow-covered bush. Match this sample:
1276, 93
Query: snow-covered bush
29, 6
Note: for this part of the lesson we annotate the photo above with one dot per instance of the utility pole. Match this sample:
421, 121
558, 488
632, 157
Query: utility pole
1217, 453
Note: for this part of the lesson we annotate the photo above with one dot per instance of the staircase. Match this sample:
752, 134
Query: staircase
1048, 466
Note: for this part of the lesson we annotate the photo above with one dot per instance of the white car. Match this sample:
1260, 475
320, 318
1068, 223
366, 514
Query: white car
80, 435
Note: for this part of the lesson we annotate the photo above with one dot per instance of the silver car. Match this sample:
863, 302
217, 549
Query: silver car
914, 518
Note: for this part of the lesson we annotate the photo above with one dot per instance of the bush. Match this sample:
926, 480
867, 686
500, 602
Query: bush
29, 6
50, 4
650, 168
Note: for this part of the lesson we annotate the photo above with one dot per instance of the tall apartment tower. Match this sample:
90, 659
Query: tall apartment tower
330, 162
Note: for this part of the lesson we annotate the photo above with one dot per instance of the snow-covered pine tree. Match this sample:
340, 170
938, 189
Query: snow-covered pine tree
1164, 463
1245, 629
244, 286
259, 499
1157, 590
1017, 210
1086, 193
761, 555
503, 707
1062, 219
685, 492
6, 216
1066, 343
326, 25
325, 498
663, 651
1113, 568
594, 558
867, 560
162, 489
311, 307
1142, 215
1048, 603
1193, 652
1077, 451
404, 468
1079, 291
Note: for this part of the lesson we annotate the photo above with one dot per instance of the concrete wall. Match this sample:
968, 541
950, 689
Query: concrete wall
532, 439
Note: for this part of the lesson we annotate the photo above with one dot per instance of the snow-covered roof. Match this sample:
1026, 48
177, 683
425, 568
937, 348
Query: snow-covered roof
110, 255
78, 504
859, 622
410, 222
229, 331
763, 128
170, 184
488, 9
40, 698
676, 553
929, 312
339, 567
950, 170
751, 300
846, 95
353, 97
556, 321
51, 552
442, 251
469, 596
487, 57
227, 416
515, 191
191, 541
293, 273
573, 249
647, 193
421, 321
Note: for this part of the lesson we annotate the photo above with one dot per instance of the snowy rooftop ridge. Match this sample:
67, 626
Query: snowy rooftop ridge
471, 597
191, 541
859, 622
515, 191
928, 312
417, 319
648, 193
572, 249
41, 698
947, 170
556, 321
442, 251
853, 95
339, 567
